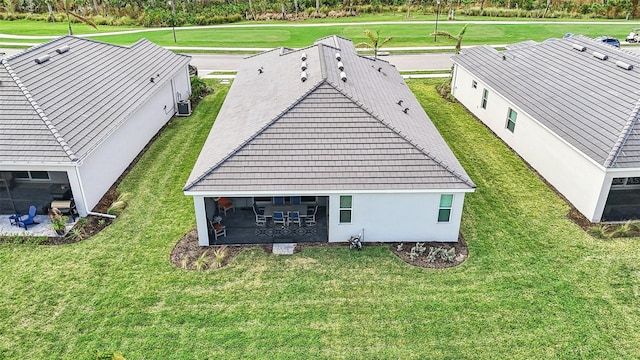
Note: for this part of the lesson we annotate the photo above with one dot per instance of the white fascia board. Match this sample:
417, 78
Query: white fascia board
623, 170
553, 133
18, 166
321, 192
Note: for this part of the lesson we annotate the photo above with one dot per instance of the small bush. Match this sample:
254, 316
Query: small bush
219, 255
202, 262
118, 206
600, 231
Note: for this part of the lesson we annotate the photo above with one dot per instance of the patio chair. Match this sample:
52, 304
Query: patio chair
26, 220
219, 230
310, 219
294, 217
261, 219
296, 200
278, 200
278, 218
225, 205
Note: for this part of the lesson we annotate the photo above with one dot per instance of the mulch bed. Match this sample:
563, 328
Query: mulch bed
188, 247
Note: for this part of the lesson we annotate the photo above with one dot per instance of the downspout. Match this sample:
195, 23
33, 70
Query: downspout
84, 198
173, 96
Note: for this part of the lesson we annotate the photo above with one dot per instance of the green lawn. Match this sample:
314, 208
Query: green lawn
535, 285
408, 34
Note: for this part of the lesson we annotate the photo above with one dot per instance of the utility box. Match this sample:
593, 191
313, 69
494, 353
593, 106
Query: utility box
184, 108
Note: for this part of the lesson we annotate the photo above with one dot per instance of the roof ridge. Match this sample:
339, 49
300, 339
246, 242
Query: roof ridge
381, 119
65, 147
255, 134
624, 135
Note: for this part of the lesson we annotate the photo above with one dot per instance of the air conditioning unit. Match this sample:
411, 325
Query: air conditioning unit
184, 108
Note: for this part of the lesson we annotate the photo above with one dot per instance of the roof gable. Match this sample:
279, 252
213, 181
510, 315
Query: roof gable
328, 142
588, 102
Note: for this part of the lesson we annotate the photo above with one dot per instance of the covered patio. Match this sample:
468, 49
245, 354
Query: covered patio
240, 226
17, 194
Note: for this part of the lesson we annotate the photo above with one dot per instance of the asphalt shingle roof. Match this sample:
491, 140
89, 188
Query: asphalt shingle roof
61, 109
592, 104
275, 132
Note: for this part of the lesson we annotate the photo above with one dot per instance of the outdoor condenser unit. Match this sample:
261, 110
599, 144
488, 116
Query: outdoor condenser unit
184, 108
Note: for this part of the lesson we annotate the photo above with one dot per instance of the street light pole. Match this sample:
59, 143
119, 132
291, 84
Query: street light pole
173, 18
435, 36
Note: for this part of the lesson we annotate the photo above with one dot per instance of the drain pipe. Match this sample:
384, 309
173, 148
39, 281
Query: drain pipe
109, 216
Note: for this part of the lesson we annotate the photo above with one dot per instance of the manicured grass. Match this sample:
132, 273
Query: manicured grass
535, 285
404, 35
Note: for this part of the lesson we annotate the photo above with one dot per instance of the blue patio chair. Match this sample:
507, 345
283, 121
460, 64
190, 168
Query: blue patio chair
26, 220
278, 218
296, 200
278, 200
294, 217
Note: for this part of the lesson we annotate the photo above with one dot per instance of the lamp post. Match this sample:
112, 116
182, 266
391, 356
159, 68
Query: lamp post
173, 19
435, 36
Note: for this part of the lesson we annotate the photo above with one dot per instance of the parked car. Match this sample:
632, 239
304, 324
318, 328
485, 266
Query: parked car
634, 36
609, 40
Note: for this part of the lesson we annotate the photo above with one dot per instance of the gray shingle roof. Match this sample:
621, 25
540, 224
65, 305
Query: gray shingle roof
275, 132
63, 108
590, 103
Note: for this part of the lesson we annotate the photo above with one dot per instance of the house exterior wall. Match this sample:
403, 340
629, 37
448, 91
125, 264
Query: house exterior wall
395, 217
571, 172
107, 162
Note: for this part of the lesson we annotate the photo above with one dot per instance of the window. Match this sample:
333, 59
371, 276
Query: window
633, 181
511, 120
31, 175
618, 181
485, 96
345, 209
446, 202
474, 84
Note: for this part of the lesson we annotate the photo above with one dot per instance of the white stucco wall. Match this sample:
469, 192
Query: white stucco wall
572, 173
395, 217
107, 162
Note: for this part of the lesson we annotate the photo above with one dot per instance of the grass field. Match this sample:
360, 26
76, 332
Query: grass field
535, 285
404, 35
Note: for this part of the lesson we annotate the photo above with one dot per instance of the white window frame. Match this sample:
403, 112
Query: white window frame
509, 119
448, 208
485, 98
349, 209
30, 176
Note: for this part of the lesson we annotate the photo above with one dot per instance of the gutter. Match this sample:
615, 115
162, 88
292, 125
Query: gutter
101, 215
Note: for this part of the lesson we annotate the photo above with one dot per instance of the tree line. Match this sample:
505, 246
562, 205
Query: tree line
205, 12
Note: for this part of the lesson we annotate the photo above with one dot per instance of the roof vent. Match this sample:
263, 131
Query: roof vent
600, 56
303, 66
380, 69
343, 76
303, 76
504, 57
152, 79
303, 56
62, 49
624, 65
579, 47
42, 59
406, 110
400, 102
338, 57
340, 65
260, 71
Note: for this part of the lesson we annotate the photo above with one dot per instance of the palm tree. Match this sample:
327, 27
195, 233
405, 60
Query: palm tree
67, 6
444, 89
374, 42
457, 38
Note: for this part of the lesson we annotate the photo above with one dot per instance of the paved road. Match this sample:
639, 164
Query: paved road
429, 61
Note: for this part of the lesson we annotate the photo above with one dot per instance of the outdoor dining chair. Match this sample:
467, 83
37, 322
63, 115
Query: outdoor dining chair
225, 205
278, 218
294, 217
310, 219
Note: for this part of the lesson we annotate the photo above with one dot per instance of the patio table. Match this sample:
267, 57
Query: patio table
269, 209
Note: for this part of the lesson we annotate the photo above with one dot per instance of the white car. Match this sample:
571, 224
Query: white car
634, 36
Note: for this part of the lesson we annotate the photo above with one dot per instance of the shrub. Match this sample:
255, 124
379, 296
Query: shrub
599, 231
198, 89
219, 255
118, 205
202, 262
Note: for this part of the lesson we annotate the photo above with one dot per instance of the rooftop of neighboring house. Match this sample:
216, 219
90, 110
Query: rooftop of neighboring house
584, 91
61, 99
